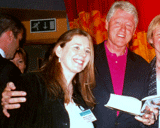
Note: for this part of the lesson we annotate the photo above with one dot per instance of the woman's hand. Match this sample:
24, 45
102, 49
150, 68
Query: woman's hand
11, 99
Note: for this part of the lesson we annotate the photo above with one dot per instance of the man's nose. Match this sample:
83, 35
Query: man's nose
123, 27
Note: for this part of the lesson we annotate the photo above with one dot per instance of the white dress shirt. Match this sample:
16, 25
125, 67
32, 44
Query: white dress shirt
2, 53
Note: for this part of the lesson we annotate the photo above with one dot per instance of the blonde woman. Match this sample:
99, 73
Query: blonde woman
153, 37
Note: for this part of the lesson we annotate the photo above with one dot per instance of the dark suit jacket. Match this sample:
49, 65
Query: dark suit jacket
39, 111
135, 84
153, 87
8, 72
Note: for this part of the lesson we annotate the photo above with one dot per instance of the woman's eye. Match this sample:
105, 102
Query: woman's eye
20, 61
88, 51
76, 47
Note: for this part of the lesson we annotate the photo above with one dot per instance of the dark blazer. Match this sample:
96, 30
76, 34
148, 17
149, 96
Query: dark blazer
153, 87
39, 111
135, 84
8, 72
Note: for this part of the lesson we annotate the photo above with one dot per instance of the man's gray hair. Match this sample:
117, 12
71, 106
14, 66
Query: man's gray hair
125, 6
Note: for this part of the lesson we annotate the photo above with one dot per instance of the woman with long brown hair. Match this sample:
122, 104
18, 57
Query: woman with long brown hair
61, 90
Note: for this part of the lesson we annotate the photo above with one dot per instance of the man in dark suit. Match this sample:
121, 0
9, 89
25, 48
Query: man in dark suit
118, 70
11, 32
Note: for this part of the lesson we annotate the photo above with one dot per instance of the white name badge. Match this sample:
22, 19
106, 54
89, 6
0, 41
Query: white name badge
88, 115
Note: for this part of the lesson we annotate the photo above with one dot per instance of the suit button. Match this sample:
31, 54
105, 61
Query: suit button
116, 123
65, 124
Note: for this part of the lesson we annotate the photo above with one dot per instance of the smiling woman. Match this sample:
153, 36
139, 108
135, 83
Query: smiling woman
75, 55
153, 37
59, 94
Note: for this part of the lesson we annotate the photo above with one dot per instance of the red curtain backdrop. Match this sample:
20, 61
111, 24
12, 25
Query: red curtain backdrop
90, 16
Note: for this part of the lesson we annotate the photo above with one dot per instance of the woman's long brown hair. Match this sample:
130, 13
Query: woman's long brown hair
54, 78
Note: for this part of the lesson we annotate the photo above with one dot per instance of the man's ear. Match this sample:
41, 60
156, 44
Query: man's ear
10, 35
106, 25
134, 31
150, 41
59, 51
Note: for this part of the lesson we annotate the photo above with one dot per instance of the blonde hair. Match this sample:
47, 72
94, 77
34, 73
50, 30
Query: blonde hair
152, 26
125, 6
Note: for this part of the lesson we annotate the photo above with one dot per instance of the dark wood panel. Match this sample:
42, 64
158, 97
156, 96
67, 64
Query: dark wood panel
28, 14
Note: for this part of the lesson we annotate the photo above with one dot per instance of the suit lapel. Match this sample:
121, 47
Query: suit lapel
152, 90
2, 62
102, 68
130, 69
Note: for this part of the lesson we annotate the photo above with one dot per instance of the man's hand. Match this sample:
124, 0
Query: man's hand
149, 117
8, 102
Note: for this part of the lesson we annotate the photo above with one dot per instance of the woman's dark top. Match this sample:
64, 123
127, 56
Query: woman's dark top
39, 111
